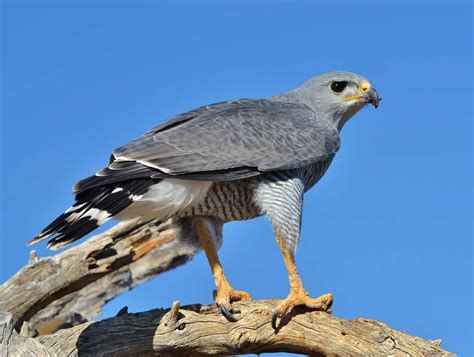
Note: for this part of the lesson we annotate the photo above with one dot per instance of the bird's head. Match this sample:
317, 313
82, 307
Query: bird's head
338, 95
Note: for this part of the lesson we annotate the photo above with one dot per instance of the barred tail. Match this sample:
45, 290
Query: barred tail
93, 208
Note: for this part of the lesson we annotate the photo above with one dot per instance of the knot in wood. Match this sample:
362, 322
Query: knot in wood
242, 338
386, 341
170, 320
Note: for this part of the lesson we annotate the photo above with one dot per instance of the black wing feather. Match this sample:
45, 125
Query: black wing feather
79, 220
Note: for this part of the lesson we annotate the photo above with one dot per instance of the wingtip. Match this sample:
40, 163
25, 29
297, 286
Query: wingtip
37, 239
55, 246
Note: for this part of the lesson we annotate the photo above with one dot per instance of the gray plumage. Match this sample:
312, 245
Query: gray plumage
252, 157
254, 135
226, 141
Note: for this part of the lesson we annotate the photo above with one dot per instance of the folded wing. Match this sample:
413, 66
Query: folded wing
225, 141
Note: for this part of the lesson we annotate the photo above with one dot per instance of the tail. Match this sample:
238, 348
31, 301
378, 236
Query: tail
93, 208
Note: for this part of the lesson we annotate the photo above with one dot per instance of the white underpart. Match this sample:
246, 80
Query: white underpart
165, 199
118, 189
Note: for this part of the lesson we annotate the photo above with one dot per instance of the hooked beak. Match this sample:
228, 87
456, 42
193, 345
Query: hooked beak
366, 93
372, 97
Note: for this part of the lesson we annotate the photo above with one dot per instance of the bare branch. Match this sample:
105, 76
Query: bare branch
71, 287
62, 293
202, 330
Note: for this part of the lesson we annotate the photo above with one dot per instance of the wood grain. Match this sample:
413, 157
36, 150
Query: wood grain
46, 309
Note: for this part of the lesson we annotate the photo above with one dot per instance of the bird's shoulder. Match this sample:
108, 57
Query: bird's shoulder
242, 108
224, 141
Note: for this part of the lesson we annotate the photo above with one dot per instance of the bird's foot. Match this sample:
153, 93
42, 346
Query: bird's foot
225, 295
301, 297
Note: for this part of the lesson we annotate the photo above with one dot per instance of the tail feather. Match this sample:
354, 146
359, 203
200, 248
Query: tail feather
93, 208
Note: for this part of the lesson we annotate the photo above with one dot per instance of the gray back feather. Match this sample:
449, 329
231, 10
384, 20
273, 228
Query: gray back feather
262, 134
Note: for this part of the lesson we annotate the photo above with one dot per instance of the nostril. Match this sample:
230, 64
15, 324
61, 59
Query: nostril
364, 86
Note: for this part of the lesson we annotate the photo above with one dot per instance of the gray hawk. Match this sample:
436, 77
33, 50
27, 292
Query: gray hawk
234, 160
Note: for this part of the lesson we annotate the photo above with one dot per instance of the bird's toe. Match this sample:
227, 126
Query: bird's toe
298, 298
223, 299
236, 295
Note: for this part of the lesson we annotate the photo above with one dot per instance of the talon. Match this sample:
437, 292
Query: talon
274, 319
223, 299
297, 298
227, 314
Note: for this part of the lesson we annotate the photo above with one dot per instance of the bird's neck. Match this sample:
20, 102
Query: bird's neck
341, 118
337, 118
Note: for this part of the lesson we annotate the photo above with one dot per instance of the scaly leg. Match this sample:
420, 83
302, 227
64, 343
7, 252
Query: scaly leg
298, 295
225, 293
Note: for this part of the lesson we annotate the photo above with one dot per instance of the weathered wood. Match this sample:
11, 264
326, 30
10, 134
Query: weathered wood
202, 330
13, 344
63, 293
71, 287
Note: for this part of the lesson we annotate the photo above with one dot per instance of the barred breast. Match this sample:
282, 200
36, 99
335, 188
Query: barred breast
228, 201
225, 200
236, 200
314, 173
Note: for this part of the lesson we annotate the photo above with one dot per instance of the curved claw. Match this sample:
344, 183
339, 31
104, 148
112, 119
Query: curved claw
322, 303
274, 319
226, 313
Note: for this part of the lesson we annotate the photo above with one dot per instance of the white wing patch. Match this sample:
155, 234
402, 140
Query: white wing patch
99, 215
165, 199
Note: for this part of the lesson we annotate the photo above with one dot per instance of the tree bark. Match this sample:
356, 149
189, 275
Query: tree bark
71, 287
49, 304
202, 330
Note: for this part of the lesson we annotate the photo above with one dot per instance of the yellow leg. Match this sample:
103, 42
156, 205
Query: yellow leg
225, 293
298, 295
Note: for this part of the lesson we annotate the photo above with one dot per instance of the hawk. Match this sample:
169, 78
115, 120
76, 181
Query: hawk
228, 161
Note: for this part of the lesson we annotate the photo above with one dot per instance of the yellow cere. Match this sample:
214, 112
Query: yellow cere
364, 86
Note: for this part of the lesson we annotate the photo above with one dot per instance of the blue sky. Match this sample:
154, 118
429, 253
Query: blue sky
388, 230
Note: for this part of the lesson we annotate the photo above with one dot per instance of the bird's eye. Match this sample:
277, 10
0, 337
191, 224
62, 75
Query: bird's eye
338, 87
